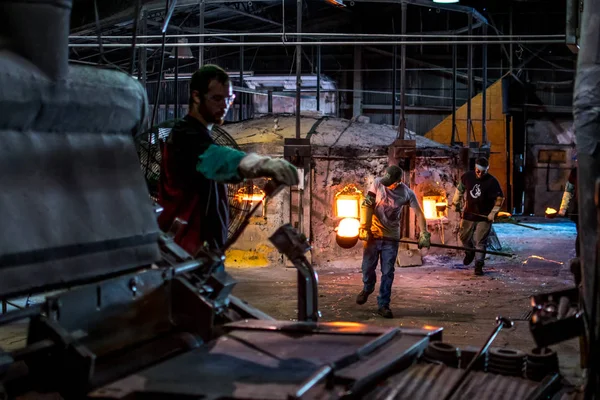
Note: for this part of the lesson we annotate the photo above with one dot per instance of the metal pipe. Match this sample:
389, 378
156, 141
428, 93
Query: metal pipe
484, 91
334, 43
201, 35
136, 20
241, 101
176, 82
450, 247
160, 73
394, 83
510, 30
298, 65
323, 34
318, 78
402, 124
470, 82
454, 84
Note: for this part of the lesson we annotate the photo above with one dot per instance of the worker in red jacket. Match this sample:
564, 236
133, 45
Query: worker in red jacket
195, 170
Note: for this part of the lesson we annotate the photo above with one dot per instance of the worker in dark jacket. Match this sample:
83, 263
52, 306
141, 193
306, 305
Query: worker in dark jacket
484, 199
195, 170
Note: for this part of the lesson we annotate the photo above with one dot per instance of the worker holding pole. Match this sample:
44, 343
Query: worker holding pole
380, 229
484, 197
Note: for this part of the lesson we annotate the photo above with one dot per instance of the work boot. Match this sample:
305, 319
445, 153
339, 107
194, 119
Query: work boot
363, 296
469, 256
479, 267
385, 312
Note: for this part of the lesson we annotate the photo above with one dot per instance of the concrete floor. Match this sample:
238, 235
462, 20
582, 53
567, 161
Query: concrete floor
442, 292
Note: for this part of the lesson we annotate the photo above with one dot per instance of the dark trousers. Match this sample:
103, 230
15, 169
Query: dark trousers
374, 251
474, 234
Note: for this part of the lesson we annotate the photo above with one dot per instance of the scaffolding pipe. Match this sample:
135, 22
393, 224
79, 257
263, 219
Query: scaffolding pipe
298, 65
484, 92
241, 101
470, 82
322, 34
318, 78
586, 103
402, 124
333, 43
201, 35
454, 83
394, 83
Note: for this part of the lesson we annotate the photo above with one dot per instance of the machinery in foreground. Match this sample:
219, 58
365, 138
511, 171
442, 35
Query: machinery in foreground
135, 317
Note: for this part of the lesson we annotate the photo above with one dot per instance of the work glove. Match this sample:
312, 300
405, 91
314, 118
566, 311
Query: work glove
458, 207
257, 166
424, 240
364, 234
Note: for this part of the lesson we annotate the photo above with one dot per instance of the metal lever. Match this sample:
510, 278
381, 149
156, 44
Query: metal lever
501, 322
293, 244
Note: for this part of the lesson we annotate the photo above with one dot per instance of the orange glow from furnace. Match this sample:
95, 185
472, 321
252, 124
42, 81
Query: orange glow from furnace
347, 202
429, 208
550, 211
348, 227
256, 195
347, 208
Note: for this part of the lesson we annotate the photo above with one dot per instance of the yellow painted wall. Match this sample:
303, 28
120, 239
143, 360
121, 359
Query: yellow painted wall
496, 131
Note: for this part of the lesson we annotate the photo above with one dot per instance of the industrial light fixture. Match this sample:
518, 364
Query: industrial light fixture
446, 1
181, 51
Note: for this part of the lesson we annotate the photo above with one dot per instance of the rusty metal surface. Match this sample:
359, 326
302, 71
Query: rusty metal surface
432, 382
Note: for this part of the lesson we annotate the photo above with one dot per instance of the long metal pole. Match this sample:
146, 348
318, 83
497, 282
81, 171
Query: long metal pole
318, 78
484, 91
447, 246
394, 83
201, 33
176, 113
454, 84
449, 35
241, 101
402, 124
331, 43
469, 82
298, 65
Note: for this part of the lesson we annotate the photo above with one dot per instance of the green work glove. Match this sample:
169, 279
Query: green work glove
424, 240
458, 206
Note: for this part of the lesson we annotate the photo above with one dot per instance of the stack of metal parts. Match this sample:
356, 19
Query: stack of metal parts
506, 362
535, 365
540, 363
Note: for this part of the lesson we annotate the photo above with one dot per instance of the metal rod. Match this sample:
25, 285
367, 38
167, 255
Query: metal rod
511, 222
176, 113
470, 82
394, 83
241, 101
501, 323
402, 124
454, 84
13, 316
136, 20
201, 35
160, 73
321, 34
334, 43
484, 91
447, 246
298, 65
318, 78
